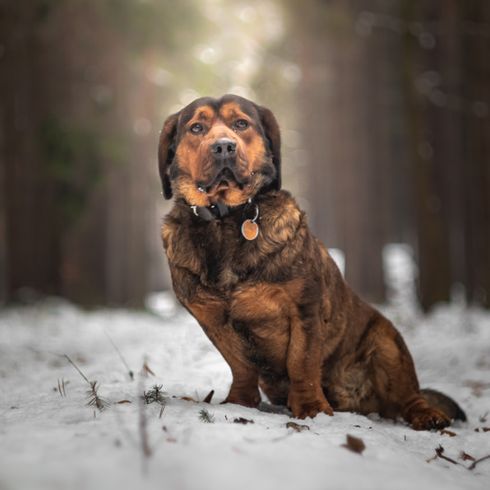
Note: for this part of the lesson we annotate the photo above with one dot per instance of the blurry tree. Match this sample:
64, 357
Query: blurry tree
448, 98
396, 127
79, 117
386, 138
350, 104
85, 87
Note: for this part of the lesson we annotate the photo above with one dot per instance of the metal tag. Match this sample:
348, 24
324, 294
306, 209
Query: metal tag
250, 229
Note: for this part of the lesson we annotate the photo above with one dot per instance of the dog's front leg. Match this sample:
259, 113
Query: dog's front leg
304, 364
244, 388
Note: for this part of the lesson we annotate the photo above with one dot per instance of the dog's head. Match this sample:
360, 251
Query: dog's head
220, 150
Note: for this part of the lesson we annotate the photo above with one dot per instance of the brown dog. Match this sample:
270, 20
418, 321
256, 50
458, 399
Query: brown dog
263, 288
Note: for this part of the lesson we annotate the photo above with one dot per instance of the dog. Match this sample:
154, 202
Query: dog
265, 291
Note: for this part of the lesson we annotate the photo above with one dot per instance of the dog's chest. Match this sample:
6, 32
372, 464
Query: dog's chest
223, 252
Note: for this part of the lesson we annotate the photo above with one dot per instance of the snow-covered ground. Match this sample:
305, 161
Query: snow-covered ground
51, 440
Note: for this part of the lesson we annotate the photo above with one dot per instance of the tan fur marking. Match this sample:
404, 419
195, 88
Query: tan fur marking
232, 111
203, 113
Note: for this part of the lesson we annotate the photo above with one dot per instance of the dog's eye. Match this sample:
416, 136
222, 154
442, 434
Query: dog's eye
241, 124
197, 128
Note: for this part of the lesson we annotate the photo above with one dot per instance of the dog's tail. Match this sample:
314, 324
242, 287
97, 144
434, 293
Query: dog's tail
443, 403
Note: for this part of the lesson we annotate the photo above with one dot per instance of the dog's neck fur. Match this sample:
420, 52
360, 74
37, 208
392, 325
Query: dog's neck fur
226, 253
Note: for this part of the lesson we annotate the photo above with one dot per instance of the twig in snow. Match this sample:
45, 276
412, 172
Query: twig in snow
464, 456
130, 372
439, 454
243, 421
297, 427
473, 465
143, 429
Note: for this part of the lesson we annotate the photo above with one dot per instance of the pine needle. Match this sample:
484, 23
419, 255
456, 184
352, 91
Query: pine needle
145, 370
61, 388
206, 417
155, 395
123, 360
94, 400
78, 369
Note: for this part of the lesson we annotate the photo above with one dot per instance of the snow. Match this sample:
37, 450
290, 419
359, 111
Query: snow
49, 441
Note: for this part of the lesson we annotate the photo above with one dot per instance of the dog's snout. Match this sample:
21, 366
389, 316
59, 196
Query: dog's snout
223, 148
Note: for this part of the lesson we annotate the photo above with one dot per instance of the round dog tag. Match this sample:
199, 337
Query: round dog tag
250, 229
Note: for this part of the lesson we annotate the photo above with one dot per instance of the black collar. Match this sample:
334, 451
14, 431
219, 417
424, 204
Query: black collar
219, 211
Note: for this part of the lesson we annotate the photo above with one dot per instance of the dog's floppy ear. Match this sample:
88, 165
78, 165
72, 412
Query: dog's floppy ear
166, 152
273, 135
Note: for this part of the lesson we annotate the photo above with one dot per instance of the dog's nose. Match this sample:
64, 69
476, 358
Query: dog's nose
223, 148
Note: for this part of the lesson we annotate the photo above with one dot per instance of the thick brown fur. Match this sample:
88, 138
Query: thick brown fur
277, 307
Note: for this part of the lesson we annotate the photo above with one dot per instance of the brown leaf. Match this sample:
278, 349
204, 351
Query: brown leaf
188, 399
354, 444
120, 402
466, 457
447, 432
482, 429
297, 427
241, 420
209, 397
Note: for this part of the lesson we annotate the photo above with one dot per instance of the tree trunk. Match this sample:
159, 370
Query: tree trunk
476, 178
428, 169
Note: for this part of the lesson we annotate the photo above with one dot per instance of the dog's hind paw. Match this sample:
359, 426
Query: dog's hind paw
429, 419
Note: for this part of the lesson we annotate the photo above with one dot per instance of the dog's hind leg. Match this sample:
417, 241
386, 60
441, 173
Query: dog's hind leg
393, 376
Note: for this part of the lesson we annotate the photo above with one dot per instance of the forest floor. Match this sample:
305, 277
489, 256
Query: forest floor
51, 439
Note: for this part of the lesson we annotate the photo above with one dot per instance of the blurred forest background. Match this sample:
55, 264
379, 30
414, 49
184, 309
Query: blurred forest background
384, 107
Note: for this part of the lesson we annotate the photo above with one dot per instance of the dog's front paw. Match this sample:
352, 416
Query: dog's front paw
246, 399
302, 408
428, 419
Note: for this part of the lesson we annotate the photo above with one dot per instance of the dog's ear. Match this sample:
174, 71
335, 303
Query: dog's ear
166, 152
273, 136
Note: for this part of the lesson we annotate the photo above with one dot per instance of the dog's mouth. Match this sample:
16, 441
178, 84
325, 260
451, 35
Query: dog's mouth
223, 180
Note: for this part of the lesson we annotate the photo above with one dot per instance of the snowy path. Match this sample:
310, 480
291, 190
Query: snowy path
54, 442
